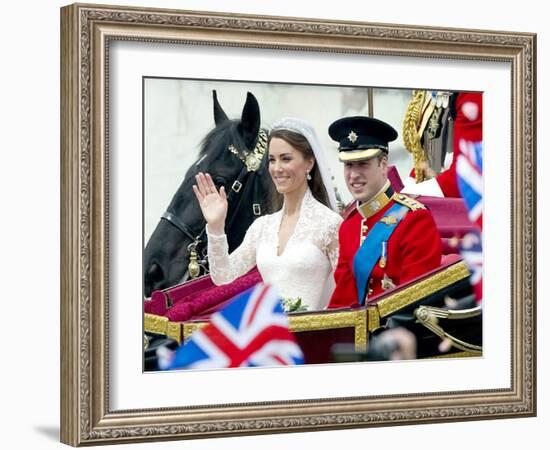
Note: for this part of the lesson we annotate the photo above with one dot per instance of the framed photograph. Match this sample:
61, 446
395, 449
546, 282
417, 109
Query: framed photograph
138, 82
175, 151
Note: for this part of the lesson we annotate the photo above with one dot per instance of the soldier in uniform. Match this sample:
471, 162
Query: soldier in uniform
387, 238
467, 126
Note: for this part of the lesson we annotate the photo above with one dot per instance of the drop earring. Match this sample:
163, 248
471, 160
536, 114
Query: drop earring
308, 176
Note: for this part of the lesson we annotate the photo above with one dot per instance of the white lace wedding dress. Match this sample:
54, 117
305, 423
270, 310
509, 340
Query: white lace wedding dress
305, 267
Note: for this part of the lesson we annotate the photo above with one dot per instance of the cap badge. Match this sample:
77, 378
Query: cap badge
352, 136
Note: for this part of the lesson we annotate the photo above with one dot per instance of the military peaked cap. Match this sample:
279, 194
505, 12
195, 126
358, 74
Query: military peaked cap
361, 137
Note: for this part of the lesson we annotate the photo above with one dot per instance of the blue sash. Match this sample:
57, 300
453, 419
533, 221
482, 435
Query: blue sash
366, 256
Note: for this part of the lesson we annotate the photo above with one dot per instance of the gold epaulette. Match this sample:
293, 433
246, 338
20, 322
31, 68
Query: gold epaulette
409, 202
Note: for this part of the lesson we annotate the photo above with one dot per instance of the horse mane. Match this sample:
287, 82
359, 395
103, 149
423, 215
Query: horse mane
226, 133
214, 147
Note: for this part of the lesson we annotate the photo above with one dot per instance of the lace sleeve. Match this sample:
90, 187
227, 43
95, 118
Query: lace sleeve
332, 252
330, 240
224, 268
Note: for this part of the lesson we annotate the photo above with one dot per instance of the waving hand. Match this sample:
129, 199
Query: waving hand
213, 203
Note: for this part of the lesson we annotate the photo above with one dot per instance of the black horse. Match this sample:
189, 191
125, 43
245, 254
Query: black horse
234, 153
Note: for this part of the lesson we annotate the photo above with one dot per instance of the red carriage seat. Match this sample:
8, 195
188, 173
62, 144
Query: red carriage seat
450, 214
193, 298
451, 219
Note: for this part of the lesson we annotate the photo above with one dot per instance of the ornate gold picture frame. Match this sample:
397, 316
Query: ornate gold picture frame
87, 414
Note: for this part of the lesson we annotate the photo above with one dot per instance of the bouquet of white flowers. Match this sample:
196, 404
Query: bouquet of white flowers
293, 305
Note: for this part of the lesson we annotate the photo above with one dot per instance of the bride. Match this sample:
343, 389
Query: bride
296, 248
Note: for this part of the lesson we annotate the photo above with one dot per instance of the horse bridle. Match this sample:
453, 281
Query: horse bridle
252, 162
194, 264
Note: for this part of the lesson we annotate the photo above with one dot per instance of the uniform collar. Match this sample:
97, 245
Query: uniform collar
375, 204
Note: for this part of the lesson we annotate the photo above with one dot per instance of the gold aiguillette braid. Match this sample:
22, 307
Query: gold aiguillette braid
411, 137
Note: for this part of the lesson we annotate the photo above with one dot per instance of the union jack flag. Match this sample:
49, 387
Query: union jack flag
471, 251
469, 171
251, 331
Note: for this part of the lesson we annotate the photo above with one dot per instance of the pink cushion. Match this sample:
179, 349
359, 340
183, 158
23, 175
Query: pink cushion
171, 296
210, 299
450, 215
180, 291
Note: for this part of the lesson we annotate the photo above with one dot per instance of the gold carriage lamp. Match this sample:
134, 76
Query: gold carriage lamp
194, 266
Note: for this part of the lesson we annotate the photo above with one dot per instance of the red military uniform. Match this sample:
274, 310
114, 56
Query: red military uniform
413, 249
469, 115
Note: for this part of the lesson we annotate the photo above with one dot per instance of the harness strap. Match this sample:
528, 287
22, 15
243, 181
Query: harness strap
176, 222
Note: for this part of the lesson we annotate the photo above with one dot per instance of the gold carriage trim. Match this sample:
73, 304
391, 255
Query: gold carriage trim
328, 320
174, 331
373, 318
421, 289
155, 324
320, 320
456, 355
190, 327
161, 325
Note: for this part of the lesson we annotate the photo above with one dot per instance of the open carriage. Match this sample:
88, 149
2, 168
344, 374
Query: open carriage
420, 305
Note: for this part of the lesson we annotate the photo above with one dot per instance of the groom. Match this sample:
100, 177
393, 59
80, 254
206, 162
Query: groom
388, 238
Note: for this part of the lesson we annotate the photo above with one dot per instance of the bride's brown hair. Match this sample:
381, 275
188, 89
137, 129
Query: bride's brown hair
300, 143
